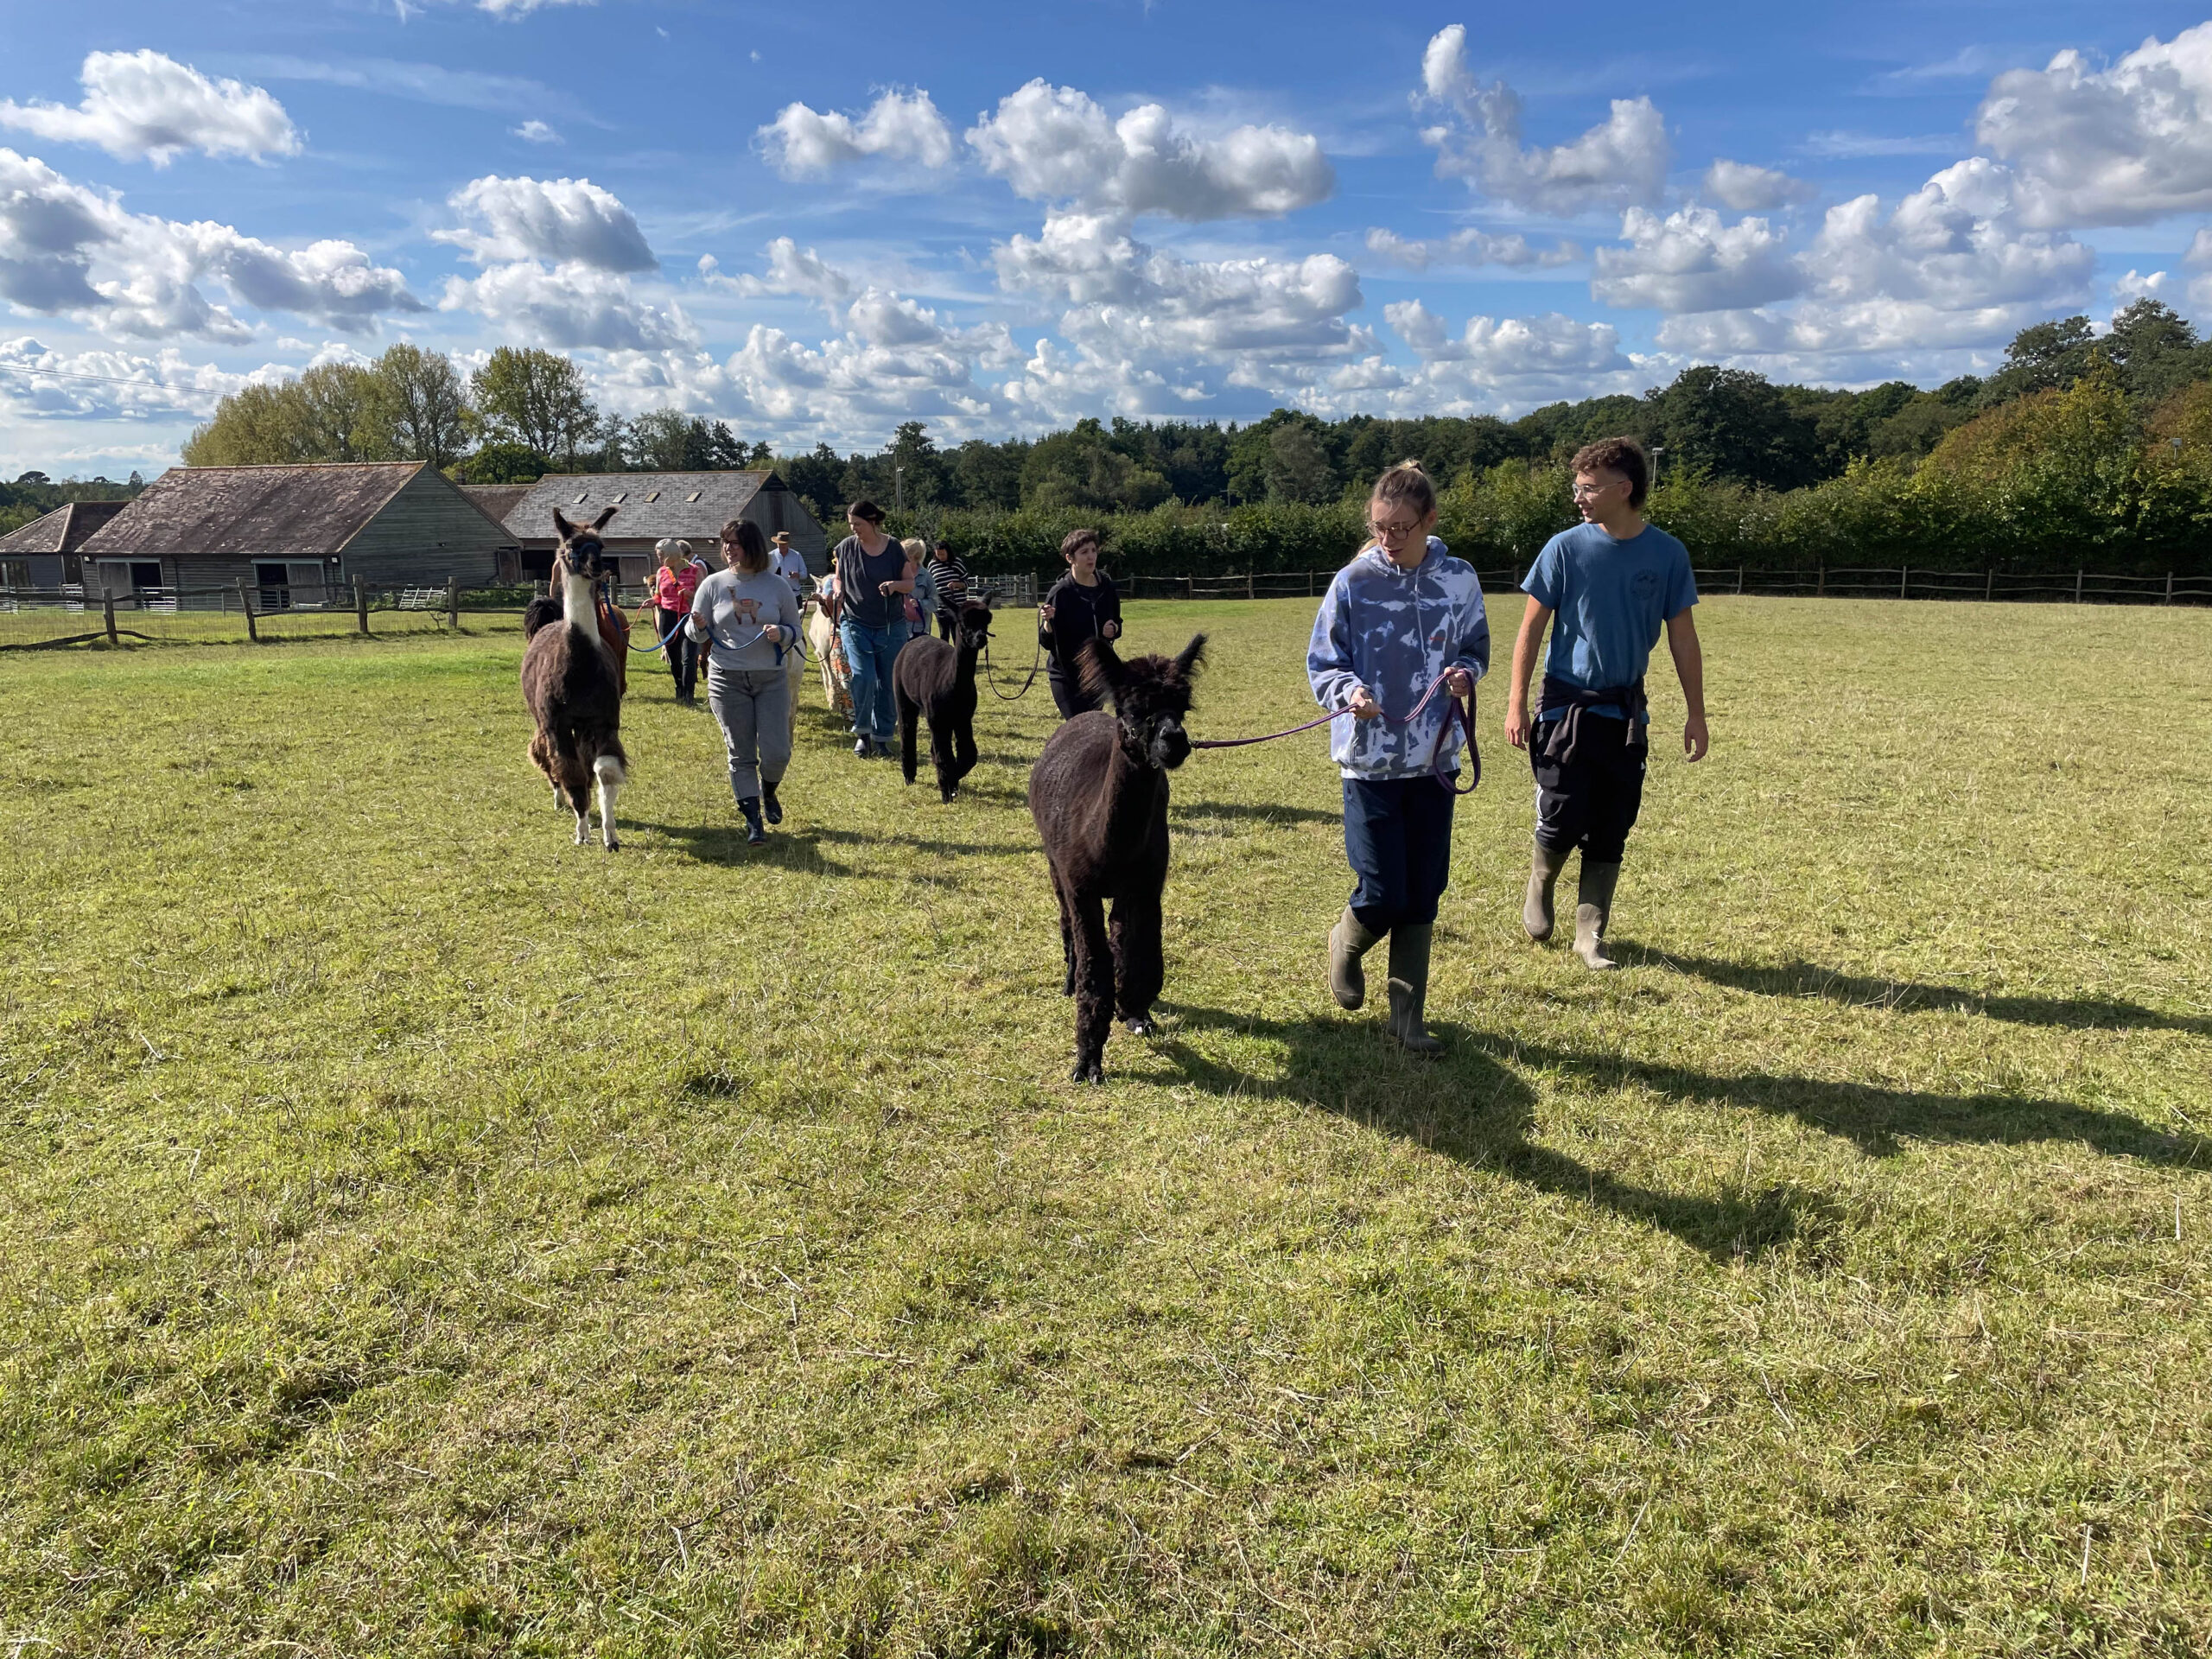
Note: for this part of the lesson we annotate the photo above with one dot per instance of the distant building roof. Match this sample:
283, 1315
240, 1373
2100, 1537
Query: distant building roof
62, 531
496, 501
694, 506
291, 512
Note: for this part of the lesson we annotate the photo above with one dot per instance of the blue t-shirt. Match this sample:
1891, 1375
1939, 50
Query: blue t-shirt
1608, 601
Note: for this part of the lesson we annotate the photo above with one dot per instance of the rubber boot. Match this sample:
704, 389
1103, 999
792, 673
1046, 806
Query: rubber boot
1593, 908
1409, 988
1544, 866
756, 834
770, 807
1347, 942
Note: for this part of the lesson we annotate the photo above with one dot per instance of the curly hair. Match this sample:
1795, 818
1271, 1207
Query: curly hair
1621, 455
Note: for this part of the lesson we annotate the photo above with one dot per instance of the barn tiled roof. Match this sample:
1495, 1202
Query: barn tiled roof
694, 506
496, 501
291, 512
62, 531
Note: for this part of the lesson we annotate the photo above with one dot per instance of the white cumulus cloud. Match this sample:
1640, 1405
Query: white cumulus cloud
103, 384
570, 306
2118, 146
1621, 162
1751, 189
1054, 144
1691, 261
899, 126
534, 131
1469, 247
561, 221
67, 249
144, 106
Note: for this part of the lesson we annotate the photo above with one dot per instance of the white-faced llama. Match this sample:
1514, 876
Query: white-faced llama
1099, 796
573, 684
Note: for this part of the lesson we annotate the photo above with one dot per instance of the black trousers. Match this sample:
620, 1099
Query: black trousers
1068, 694
1592, 801
681, 651
947, 625
1398, 840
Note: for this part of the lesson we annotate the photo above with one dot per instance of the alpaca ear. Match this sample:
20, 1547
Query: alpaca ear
1102, 674
562, 527
1191, 655
599, 523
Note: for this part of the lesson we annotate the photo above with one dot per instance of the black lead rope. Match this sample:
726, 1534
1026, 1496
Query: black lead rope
991, 678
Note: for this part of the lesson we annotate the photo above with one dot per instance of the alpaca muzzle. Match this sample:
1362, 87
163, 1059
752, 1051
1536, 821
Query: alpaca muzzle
1171, 745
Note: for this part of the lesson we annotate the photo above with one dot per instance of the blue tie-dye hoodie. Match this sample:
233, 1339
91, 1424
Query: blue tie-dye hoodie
1393, 631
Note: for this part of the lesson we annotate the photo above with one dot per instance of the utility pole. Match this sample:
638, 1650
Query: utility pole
1657, 450
898, 487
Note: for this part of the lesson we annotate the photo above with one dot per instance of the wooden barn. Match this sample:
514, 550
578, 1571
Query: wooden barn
43, 553
299, 534
686, 506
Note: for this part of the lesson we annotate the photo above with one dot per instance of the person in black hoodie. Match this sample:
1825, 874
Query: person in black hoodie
1084, 605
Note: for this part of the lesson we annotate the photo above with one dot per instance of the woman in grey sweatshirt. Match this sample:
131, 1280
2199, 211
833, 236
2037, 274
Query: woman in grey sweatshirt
749, 617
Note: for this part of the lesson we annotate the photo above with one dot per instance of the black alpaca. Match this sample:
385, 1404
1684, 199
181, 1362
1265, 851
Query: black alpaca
936, 682
1099, 795
572, 684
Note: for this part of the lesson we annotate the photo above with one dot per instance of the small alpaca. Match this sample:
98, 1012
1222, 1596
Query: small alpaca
829, 656
1099, 796
572, 684
936, 682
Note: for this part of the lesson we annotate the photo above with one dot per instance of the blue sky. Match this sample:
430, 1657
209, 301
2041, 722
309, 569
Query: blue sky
816, 222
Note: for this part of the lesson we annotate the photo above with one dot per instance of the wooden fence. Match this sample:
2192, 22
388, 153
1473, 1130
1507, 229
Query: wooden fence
2076, 587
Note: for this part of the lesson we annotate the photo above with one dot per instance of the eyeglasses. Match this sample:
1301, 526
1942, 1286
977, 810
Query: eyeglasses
1391, 533
1585, 492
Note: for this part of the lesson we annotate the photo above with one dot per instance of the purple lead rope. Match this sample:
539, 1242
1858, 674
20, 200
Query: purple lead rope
1464, 715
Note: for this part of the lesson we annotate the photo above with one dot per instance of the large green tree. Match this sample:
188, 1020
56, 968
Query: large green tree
421, 405
536, 399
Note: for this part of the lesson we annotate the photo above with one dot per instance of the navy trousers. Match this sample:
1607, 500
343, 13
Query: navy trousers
1398, 838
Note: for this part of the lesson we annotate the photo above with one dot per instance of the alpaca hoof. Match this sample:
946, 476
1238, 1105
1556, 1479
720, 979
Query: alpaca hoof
1139, 1028
614, 843
1088, 1071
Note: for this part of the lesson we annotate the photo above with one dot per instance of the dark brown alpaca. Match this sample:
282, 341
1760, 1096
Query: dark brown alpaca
936, 682
573, 685
1099, 795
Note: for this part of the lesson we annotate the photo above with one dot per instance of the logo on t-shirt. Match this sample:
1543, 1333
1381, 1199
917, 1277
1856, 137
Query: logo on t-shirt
1645, 584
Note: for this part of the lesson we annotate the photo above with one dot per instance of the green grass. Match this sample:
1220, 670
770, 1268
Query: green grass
419, 1236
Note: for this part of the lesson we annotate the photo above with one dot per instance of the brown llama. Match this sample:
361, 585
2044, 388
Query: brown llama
573, 684
1099, 796
936, 681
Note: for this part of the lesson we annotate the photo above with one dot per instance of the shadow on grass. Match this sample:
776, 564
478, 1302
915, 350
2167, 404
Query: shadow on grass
1471, 1107
1259, 812
1876, 1120
1798, 978
924, 843
724, 844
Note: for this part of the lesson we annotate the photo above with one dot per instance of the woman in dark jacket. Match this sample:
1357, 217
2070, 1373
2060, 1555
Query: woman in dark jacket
875, 576
1084, 605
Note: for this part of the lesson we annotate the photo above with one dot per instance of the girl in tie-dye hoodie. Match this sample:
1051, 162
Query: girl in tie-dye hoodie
1401, 612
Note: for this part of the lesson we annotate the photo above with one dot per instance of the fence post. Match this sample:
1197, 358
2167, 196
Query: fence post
361, 603
1309, 586
1989, 584
107, 612
1739, 579
2169, 587
246, 604
453, 603
1821, 579
1903, 575
1248, 584
1190, 587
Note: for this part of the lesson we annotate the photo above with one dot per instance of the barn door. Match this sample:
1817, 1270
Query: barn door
305, 581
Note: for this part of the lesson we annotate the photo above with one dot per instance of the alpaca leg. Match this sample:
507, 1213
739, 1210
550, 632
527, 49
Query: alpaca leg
610, 772
948, 777
1094, 990
909, 715
541, 756
580, 802
1140, 970
963, 748
1067, 937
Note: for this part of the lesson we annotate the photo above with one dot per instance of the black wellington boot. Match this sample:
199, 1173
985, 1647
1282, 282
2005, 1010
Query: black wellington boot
770, 807
1409, 947
756, 834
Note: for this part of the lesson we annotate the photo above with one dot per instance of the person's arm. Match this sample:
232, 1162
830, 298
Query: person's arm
1329, 668
1532, 621
903, 585
1689, 665
1473, 660
699, 623
1047, 614
1110, 610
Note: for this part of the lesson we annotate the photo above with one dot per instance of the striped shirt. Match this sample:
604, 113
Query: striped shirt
951, 583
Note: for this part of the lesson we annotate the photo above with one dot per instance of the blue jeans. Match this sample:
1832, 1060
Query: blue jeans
1398, 840
869, 653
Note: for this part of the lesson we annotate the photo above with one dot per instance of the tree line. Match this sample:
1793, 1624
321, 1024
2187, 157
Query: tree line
2082, 446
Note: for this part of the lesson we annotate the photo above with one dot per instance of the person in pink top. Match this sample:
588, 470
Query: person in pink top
670, 589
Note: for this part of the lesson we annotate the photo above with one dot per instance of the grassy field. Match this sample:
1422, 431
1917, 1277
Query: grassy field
419, 1236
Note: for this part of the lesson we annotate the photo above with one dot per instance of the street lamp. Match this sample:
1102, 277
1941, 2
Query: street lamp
1657, 450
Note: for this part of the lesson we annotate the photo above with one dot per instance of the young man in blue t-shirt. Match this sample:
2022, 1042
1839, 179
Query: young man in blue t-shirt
1607, 587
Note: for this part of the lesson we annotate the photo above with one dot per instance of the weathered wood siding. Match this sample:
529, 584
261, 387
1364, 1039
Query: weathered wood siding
426, 533
774, 507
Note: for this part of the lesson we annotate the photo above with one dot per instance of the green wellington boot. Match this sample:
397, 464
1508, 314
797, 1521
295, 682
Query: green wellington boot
1544, 866
1409, 989
1348, 943
1593, 908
